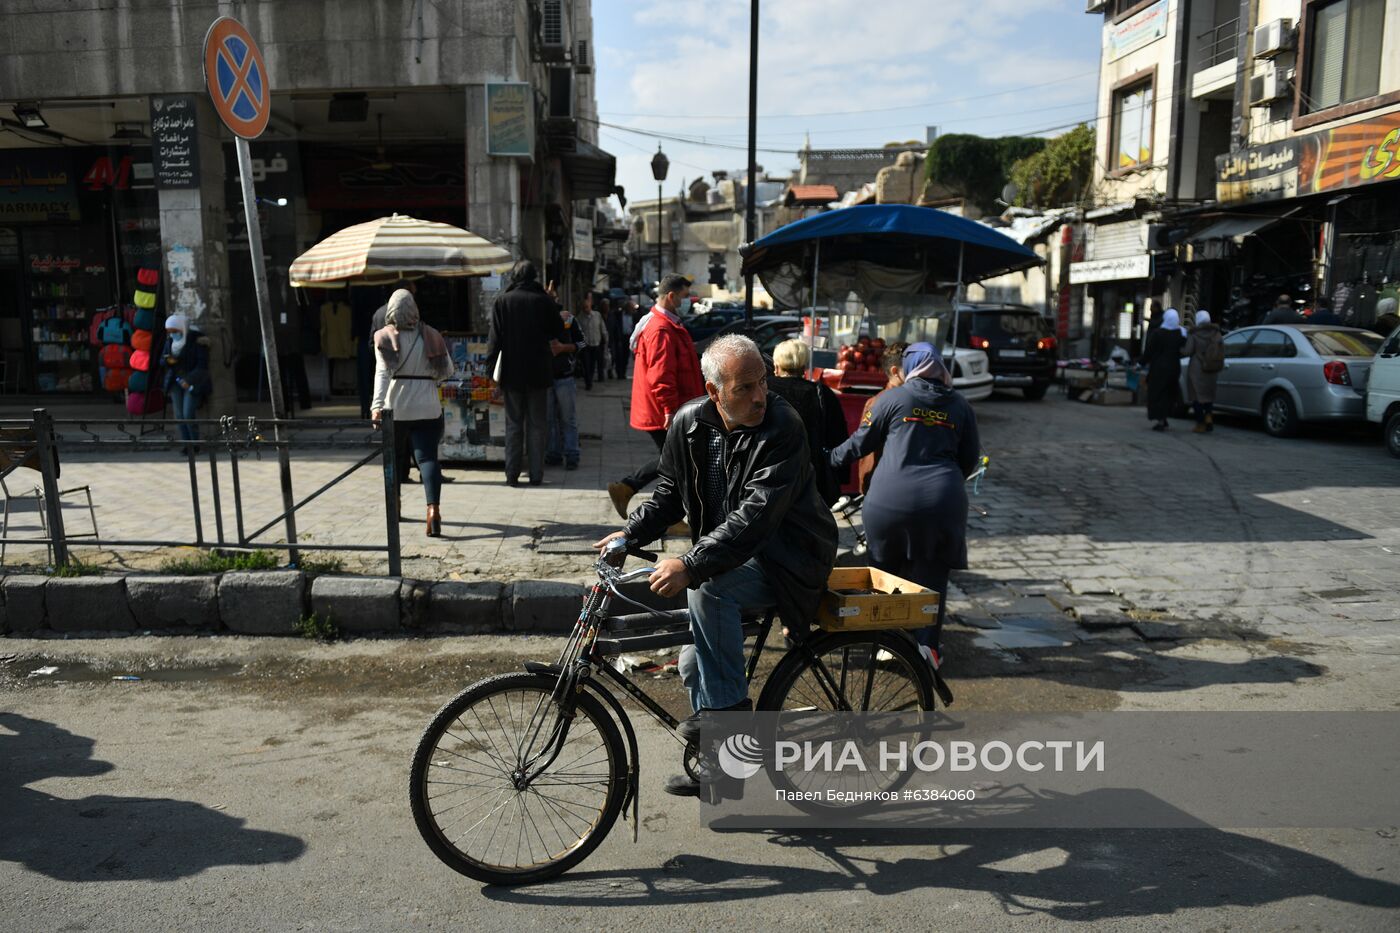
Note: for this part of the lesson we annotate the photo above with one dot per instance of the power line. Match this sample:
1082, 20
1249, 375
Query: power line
847, 113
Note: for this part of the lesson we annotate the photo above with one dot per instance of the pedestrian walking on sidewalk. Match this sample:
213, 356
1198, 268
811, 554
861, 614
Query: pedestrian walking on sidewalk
1206, 348
410, 360
612, 317
622, 338
1163, 360
916, 510
187, 380
595, 338
667, 375
520, 348
562, 446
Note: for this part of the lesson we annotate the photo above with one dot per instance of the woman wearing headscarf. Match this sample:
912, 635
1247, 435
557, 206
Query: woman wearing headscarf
916, 510
410, 360
1162, 357
187, 381
1206, 348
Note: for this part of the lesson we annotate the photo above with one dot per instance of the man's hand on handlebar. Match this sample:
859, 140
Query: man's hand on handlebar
671, 578
599, 545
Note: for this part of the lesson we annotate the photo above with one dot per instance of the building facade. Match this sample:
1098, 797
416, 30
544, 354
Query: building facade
1247, 149
481, 116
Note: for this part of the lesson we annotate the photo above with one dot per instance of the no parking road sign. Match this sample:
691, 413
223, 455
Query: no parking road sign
237, 78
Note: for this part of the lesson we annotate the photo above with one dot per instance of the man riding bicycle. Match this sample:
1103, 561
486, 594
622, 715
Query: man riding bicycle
735, 466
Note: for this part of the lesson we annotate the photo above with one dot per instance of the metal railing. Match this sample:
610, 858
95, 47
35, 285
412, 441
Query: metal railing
1219, 44
37, 443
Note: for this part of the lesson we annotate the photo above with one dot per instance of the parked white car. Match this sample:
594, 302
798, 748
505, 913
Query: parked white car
1383, 392
972, 373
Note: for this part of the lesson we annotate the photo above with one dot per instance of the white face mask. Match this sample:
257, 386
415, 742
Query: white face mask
683, 307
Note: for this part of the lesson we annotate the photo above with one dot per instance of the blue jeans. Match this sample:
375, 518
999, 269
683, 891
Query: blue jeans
563, 421
185, 404
424, 437
717, 607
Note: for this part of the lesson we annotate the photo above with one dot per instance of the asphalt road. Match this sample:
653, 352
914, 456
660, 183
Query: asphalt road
259, 784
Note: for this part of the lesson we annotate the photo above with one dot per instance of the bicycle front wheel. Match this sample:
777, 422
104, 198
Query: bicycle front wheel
480, 815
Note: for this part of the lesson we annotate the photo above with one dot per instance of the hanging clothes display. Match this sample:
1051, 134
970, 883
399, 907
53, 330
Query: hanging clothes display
337, 343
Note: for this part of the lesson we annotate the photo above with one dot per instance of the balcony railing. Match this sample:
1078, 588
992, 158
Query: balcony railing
1218, 45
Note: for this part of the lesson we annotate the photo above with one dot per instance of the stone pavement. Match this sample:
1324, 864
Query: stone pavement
490, 531
1088, 528
1097, 529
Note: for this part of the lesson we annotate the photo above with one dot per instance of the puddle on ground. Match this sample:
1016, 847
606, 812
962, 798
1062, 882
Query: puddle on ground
39, 671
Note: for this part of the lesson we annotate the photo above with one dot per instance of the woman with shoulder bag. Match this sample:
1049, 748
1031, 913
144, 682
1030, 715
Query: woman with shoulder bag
410, 360
1206, 348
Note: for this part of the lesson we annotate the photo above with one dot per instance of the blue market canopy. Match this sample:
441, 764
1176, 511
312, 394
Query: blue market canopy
918, 246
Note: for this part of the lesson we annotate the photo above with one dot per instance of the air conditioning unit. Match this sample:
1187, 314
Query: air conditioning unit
1095, 5
554, 31
583, 58
1273, 38
1272, 85
561, 93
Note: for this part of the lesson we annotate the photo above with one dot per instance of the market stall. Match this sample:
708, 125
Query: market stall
400, 247
880, 273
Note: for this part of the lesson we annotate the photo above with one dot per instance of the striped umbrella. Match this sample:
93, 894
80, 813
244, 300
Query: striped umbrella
396, 247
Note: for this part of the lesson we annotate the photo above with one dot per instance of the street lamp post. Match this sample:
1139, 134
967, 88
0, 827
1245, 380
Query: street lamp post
750, 221
659, 165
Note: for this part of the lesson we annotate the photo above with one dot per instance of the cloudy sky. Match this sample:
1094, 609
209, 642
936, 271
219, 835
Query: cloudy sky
847, 72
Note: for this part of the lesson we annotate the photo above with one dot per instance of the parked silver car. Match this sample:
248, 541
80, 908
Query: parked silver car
1295, 373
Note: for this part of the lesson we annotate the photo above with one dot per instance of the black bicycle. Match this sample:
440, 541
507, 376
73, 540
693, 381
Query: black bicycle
520, 776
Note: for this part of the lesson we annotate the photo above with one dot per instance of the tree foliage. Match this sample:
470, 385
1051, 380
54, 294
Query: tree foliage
977, 167
1059, 174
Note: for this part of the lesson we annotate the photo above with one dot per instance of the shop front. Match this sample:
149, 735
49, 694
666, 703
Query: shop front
1345, 183
1120, 276
75, 225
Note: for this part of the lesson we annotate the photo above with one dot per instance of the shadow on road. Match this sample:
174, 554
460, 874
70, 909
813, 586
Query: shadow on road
107, 838
1059, 873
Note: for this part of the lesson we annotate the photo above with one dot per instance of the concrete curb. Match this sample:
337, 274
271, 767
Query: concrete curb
273, 602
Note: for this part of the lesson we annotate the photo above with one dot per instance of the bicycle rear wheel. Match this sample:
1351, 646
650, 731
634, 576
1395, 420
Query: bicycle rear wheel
859, 672
879, 671
469, 801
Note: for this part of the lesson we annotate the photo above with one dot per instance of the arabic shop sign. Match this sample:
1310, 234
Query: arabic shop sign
175, 141
1346, 157
510, 129
36, 185
1111, 270
1140, 29
1262, 173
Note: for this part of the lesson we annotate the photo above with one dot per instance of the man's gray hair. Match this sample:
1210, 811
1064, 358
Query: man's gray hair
721, 351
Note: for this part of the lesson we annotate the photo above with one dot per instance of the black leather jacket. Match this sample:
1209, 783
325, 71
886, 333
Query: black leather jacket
776, 513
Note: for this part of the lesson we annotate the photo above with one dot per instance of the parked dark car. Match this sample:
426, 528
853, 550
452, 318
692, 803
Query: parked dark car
764, 328
707, 324
1019, 343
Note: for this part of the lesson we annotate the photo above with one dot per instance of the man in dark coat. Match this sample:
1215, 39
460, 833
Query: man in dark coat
524, 328
735, 465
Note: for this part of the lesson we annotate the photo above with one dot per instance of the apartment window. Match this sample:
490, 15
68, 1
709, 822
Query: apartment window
1344, 52
1132, 126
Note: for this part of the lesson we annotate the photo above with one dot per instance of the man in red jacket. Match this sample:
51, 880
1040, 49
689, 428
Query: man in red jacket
665, 376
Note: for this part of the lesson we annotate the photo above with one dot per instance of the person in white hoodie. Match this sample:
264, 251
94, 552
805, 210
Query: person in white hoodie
410, 360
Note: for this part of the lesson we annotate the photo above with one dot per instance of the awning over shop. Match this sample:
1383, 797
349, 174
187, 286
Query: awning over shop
1238, 225
590, 170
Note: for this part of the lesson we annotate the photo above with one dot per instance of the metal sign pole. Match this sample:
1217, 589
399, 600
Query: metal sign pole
957, 300
269, 337
812, 319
